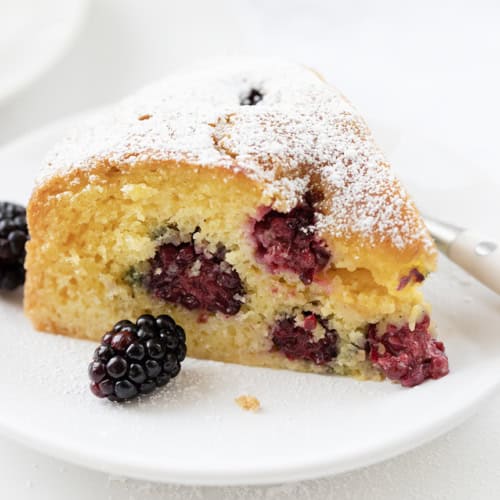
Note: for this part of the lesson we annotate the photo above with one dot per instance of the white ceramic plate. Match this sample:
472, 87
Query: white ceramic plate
193, 432
33, 35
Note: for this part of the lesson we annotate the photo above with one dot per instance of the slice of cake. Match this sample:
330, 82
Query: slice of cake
253, 206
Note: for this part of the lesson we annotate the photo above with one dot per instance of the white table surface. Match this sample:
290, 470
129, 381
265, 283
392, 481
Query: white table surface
415, 64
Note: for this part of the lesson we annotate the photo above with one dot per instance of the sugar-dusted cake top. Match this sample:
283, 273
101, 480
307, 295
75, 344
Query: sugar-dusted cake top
278, 123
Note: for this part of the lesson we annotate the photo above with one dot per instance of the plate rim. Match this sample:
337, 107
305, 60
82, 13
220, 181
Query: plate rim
257, 477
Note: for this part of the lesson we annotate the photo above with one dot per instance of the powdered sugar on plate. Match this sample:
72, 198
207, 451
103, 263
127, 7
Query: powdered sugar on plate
301, 135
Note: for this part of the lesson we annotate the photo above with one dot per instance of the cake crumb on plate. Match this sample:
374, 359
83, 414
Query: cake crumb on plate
248, 403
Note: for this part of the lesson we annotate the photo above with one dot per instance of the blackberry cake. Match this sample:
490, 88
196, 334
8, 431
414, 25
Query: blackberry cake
250, 203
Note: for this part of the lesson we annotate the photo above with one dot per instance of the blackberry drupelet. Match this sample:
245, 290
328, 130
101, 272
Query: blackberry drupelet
13, 238
136, 358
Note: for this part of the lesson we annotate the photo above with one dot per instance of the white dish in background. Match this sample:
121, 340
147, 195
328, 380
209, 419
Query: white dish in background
193, 433
33, 35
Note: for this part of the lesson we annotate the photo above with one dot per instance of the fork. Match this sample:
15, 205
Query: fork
480, 257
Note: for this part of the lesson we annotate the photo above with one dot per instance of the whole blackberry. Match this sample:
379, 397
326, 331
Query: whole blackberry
13, 238
135, 359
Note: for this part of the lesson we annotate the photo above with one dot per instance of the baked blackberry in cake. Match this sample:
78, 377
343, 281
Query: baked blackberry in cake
252, 204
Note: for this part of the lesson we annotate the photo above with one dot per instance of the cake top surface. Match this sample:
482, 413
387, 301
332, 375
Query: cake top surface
279, 123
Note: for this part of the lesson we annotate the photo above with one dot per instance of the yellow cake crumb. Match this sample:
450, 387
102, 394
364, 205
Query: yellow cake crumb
248, 403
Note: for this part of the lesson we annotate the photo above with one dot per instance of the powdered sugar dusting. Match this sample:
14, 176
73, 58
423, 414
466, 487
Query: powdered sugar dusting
302, 136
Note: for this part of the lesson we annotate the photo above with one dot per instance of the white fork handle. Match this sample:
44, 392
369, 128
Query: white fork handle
479, 256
